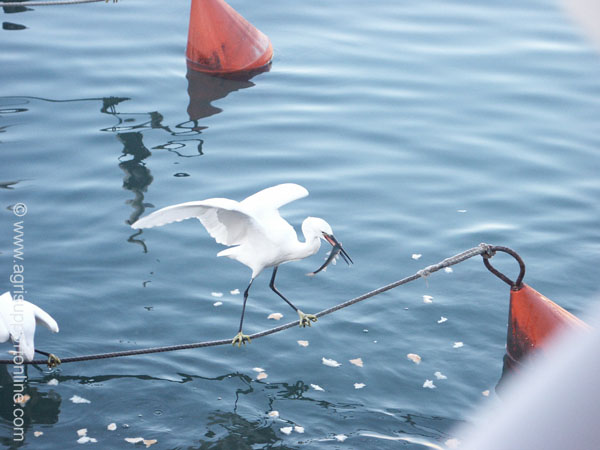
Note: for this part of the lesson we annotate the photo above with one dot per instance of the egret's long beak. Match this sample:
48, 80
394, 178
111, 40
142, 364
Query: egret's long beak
336, 250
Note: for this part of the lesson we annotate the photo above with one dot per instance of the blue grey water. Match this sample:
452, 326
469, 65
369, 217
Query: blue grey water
418, 128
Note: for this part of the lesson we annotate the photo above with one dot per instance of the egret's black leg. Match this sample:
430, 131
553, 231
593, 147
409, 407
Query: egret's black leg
272, 286
304, 318
240, 338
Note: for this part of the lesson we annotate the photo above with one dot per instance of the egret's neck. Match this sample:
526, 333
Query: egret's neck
311, 244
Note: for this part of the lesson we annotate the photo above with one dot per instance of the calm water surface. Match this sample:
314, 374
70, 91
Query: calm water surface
418, 128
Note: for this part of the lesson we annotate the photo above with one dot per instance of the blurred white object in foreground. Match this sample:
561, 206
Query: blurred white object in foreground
587, 14
553, 404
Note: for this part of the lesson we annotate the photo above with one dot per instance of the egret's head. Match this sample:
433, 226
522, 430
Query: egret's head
316, 227
319, 228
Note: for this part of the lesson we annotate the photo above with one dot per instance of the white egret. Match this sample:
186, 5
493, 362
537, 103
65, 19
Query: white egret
256, 234
17, 322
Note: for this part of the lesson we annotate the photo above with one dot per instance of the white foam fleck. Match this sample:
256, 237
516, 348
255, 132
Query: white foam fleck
78, 399
330, 362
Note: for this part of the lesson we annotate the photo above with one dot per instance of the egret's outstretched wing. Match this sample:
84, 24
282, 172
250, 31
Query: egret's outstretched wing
224, 219
274, 197
43, 318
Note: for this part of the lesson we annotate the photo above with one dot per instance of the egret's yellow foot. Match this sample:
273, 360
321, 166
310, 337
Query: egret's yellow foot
53, 361
305, 319
240, 339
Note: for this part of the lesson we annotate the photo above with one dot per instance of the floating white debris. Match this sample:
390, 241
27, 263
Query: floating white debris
38, 433
442, 319
452, 443
440, 376
273, 414
316, 387
235, 292
22, 399
357, 362
82, 432
85, 440
217, 303
331, 362
299, 429
111, 426
457, 345
341, 437
414, 358
52, 382
416, 255
303, 343
461, 210
78, 399
486, 393
427, 299
275, 316
262, 376
134, 440
448, 269
217, 294
258, 369
359, 385
286, 430
429, 384
149, 442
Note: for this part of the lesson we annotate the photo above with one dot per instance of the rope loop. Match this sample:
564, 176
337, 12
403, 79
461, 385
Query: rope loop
491, 251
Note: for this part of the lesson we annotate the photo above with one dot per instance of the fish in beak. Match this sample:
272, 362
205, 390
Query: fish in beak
335, 251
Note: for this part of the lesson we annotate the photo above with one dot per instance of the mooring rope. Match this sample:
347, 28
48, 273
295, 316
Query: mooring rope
485, 250
50, 3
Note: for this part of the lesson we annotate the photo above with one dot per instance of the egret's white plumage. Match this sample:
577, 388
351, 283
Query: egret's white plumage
257, 236
18, 319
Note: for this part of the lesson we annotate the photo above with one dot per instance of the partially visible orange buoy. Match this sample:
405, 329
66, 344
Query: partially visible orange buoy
533, 319
221, 41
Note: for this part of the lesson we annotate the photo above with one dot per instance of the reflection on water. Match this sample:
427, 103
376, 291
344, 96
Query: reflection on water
227, 430
8, 184
203, 89
41, 408
137, 175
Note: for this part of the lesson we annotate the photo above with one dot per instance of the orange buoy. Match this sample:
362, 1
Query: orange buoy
532, 320
221, 41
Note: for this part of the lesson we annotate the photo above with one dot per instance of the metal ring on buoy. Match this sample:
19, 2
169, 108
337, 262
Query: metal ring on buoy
514, 285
